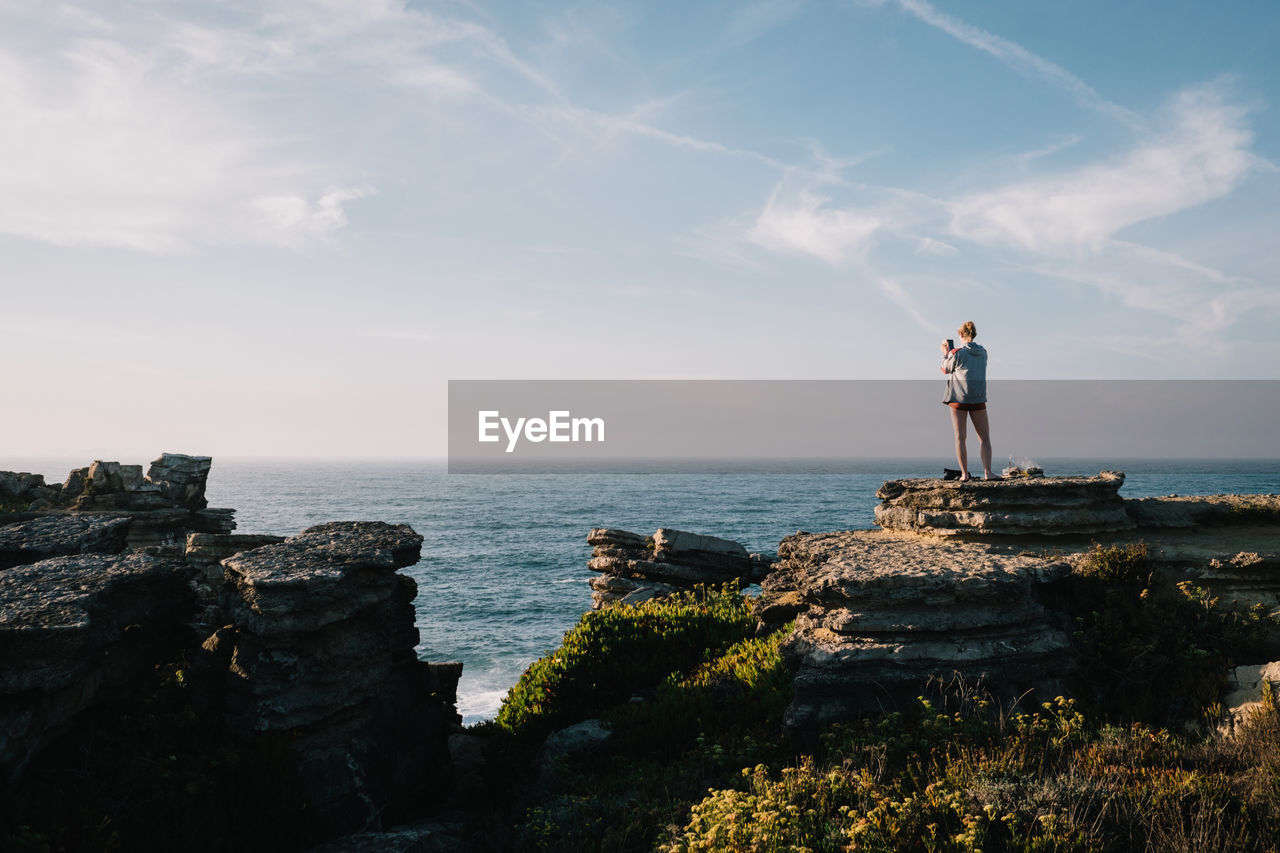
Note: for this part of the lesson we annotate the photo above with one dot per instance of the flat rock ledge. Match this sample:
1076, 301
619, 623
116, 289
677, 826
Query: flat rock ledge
879, 614
59, 536
634, 568
322, 648
75, 630
1040, 506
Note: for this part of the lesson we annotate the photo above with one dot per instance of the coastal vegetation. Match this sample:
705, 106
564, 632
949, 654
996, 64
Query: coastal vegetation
693, 692
1141, 758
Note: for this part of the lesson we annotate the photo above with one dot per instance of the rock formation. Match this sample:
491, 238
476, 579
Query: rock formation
1245, 687
206, 551
635, 569
61, 535
878, 614
1204, 511
75, 630
1035, 506
323, 648
164, 506
19, 490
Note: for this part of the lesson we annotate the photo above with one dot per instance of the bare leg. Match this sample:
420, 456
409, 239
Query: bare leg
962, 453
983, 428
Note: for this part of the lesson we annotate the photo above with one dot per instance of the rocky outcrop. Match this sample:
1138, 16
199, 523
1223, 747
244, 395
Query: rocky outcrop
180, 479
1243, 580
74, 631
1245, 688
19, 490
1037, 506
635, 569
206, 551
61, 535
1204, 510
165, 505
322, 648
878, 614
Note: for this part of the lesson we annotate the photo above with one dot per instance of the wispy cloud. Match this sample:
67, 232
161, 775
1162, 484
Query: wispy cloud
806, 225
893, 289
1204, 155
1019, 59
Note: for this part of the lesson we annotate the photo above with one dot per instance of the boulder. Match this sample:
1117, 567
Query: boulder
635, 569
693, 549
206, 551
75, 630
1037, 506
1245, 686
323, 649
17, 489
61, 535
880, 614
181, 478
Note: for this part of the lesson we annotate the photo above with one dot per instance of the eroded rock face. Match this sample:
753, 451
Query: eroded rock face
878, 614
1041, 506
206, 551
61, 535
19, 489
323, 648
181, 478
1204, 510
635, 569
164, 506
75, 629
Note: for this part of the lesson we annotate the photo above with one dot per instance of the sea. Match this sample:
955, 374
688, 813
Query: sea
503, 572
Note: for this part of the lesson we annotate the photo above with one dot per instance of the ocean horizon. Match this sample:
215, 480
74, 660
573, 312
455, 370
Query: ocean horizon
503, 571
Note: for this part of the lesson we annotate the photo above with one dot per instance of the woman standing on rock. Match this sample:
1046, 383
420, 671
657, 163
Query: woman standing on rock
966, 369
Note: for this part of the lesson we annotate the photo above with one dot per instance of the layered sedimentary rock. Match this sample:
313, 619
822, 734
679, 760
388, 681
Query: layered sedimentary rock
19, 490
75, 630
181, 479
61, 535
164, 505
1243, 580
322, 648
878, 614
206, 551
1204, 510
1037, 506
635, 569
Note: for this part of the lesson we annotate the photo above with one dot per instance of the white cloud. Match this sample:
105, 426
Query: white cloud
291, 220
808, 227
1203, 156
899, 296
930, 246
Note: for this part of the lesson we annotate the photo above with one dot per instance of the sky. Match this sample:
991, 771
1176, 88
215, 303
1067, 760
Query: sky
279, 228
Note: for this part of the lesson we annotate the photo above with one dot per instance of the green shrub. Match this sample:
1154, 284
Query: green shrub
614, 652
694, 731
982, 780
1146, 649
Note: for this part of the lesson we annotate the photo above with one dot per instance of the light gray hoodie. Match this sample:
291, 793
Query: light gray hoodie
966, 370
